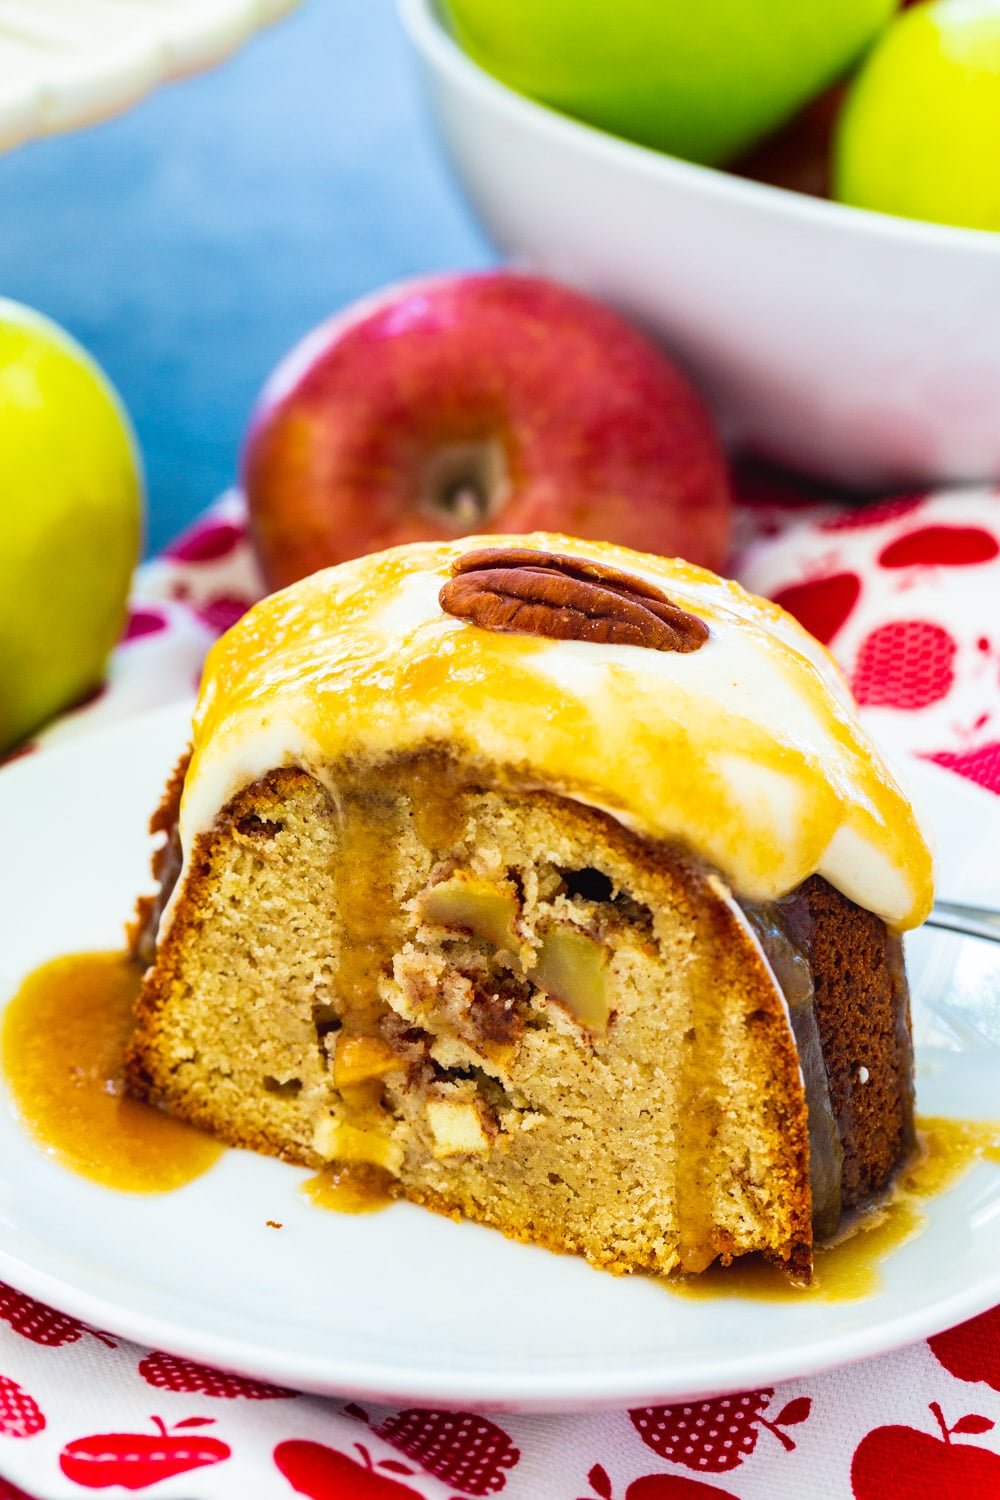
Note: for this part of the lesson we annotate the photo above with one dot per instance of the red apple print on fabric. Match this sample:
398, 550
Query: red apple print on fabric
221, 612
10, 1491
823, 604
327, 1474
169, 1373
873, 515
657, 1487
713, 1436
135, 1460
981, 766
463, 1450
920, 1464
42, 1324
20, 1416
144, 622
675, 1487
972, 1350
207, 542
945, 546
905, 664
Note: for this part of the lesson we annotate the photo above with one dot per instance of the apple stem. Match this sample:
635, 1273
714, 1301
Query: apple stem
783, 1438
939, 1414
465, 484
159, 1423
464, 503
365, 1455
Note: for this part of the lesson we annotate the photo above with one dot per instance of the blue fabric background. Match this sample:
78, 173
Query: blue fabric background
191, 241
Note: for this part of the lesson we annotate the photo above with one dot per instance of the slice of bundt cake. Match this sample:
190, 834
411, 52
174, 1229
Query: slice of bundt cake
557, 883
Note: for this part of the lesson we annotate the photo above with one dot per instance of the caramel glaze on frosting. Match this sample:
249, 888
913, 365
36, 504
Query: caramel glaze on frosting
748, 751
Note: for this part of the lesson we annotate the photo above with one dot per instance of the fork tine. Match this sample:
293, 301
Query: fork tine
973, 921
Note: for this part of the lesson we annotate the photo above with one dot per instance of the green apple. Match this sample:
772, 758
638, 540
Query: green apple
920, 131
70, 520
702, 81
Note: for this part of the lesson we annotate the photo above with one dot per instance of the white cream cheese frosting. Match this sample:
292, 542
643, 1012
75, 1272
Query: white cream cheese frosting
748, 750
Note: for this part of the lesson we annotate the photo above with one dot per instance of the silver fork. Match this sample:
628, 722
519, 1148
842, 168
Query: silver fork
973, 921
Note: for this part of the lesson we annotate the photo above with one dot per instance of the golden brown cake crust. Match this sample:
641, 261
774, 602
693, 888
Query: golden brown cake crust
140, 934
143, 1066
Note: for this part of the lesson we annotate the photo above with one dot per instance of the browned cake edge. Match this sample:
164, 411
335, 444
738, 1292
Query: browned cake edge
863, 1011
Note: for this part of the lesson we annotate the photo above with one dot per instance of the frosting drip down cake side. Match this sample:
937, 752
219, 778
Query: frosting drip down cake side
557, 885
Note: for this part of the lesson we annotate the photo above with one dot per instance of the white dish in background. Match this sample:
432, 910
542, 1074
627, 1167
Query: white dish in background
65, 63
404, 1304
850, 344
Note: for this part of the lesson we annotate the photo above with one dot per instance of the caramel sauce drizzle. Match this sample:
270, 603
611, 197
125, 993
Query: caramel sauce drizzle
700, 1108
350, 1188
663, 740
366, 910
368, 916
62, 1050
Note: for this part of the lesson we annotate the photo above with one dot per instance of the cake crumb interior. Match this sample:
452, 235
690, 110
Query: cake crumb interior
500, 1000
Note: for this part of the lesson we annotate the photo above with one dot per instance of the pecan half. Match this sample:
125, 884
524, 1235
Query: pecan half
568, 598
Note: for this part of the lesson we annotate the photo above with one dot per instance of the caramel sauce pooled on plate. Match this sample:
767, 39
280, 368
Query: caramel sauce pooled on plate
848, 1268
62, 1048
350, 1188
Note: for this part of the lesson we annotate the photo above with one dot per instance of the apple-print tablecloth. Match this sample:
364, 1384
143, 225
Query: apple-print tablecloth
907, 594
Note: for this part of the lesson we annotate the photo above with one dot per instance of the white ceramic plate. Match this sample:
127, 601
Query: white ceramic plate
65, 63
406, 1305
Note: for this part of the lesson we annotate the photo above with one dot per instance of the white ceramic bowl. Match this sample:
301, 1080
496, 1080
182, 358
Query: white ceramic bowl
850, 344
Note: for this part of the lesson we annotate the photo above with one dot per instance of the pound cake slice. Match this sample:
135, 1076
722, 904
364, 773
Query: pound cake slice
555, 884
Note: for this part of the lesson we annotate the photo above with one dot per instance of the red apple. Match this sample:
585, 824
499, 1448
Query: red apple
822, 605
713, 1436
324, 1473
171, 1373
463, 1449
919, 1464
972, 1350
42, 1324
674, 1487
658, 1487
10, 1491
134, 1460
20, 1415
470, 404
